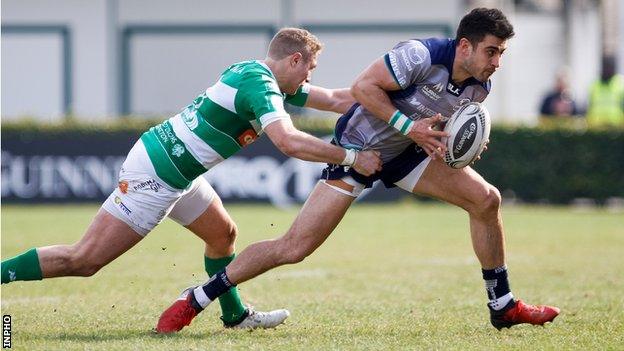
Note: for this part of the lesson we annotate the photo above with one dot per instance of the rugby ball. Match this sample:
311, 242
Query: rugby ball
468, 129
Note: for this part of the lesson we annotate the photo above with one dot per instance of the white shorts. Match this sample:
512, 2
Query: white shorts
142, 200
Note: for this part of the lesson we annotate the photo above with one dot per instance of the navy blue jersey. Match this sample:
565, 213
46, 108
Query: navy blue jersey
422, 68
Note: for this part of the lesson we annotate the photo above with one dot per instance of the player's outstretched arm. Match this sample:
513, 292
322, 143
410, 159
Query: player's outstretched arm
295, 143
335, 100
370, 89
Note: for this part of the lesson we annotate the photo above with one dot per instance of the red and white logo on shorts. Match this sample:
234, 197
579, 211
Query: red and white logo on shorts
247, 137
123, 187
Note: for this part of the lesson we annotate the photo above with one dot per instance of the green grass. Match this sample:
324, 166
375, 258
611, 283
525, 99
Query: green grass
390, 277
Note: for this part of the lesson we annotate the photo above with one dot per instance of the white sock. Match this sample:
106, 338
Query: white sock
501, 302
201, 297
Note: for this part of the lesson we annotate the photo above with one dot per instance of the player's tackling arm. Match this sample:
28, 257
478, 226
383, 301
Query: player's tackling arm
295, 143
370, 88
336, 100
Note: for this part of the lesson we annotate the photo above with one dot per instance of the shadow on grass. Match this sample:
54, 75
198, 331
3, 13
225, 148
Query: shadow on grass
150, 335
112, 335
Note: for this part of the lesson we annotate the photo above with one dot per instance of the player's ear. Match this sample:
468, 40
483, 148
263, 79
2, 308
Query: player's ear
465, 46
295, 59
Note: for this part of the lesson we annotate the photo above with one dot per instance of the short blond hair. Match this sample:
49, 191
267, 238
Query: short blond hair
291, 40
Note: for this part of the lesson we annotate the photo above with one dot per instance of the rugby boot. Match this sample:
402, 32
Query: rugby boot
255, 319
185, 308
517, 312
179, 314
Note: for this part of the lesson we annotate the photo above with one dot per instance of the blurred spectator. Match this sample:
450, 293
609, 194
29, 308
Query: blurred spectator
559, 102
606, 99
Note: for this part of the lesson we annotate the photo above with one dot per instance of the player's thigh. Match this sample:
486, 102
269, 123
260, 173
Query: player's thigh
106, 238
141, 200
462, 187
201, 211
321, 213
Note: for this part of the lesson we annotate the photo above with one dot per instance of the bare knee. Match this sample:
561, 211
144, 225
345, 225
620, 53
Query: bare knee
487, 203
231, 234
291, 251
222, 243
228, 238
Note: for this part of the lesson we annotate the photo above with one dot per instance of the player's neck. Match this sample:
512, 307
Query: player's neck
460, 74
272, 64
276, 69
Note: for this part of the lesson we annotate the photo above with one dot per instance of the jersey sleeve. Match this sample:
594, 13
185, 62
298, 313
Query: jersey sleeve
300, 97
264, 99
409, 62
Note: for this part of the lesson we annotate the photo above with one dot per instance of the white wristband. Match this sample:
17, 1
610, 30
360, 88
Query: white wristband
350, 157
401, 122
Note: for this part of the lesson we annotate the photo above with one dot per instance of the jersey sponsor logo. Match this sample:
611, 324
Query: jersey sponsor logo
247, 137
123, 186
161, 215
237, 69
122, 206
452, 88
165, 133
430, 93
190, 119
177, 150
151, 184
395, 67
421, 108
406, 60
416, 55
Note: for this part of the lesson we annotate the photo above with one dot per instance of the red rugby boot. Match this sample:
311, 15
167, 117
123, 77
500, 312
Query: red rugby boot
517, 312
179, 314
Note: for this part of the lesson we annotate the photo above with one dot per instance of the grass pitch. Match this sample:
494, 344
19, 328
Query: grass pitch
390, 277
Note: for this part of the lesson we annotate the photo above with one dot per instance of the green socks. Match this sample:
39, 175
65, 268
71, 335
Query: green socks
26, 267
231, 304
22, 267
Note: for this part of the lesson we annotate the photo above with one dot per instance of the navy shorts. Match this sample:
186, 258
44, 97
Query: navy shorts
391, 172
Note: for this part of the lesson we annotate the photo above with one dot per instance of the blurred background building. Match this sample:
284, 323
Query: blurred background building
101, 59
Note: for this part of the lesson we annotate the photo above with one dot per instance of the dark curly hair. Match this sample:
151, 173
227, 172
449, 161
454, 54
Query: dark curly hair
482, 21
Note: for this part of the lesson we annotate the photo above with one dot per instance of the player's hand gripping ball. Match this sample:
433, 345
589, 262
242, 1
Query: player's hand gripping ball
469, 130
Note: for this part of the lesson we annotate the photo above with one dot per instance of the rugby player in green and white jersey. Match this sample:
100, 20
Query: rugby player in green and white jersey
161, 175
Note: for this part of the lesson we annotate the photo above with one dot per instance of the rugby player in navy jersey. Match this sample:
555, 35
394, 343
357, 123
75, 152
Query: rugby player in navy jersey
402, 97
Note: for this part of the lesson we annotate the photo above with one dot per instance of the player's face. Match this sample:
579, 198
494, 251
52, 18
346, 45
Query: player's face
484, 59
301, 73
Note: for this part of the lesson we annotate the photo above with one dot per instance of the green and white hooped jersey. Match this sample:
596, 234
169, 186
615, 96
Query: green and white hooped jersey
225, 118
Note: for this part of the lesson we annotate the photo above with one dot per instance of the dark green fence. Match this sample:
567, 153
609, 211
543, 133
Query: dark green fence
532, 164
556, 165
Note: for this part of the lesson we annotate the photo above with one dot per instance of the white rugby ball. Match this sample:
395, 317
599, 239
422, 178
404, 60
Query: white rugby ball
468, 129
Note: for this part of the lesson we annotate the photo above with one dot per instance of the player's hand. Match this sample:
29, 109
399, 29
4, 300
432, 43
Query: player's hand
367, 162
423, 134
485, 147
